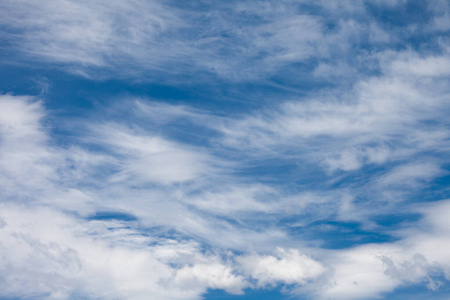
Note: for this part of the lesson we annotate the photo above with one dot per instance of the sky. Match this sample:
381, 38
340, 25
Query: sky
229, 150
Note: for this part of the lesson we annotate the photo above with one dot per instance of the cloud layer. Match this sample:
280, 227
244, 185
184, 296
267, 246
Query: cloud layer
317, 165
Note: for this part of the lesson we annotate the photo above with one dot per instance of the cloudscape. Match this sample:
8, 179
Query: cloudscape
225, 149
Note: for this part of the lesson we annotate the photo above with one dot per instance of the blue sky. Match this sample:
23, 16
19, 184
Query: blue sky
224, 149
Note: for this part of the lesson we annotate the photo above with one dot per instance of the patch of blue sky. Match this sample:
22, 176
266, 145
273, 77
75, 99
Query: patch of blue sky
400, 15
119, 216
341, 235
250, 294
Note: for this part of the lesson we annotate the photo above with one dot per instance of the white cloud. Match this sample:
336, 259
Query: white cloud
416, 66
238, 199
130, 38
49, 254
210, 274
373, 269
143, 157
387, 115
26, 162
359, 273
148, 35
287, 266
383, 118
54, 251
87, 33
411, 175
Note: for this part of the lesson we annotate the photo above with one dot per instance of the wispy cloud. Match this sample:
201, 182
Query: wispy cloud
234, 40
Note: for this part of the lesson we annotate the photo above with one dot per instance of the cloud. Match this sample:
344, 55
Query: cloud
287, 266
53, 255
55, 242
148, 35
138, 165
382, 119
411, 175
327, 188
89, 35
143, 157
232, 40
374, 269
25, 159
212, 275
70, 254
